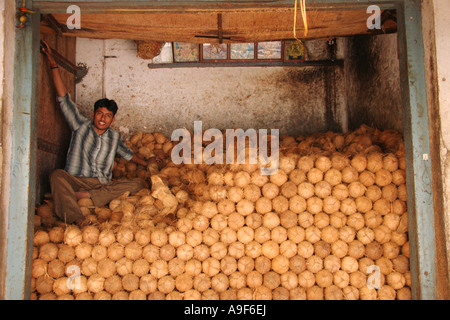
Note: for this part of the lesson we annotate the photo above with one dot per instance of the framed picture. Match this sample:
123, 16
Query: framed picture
242, 51
269, 50
214, 51
185, 52
294, 50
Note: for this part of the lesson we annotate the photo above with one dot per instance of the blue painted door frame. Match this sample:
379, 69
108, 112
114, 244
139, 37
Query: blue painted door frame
415, 116
23, 131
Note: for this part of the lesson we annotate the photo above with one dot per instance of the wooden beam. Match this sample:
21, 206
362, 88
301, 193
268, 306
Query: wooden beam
141, 6
59, 28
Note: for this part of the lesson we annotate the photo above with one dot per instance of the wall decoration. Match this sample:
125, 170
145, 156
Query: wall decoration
294, 50
269, 50
185, 52
242, 51
215, 51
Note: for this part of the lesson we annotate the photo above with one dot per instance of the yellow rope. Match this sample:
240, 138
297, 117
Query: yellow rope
303, 12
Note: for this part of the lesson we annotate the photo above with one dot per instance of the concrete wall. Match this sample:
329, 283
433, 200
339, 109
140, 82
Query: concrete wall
296, 100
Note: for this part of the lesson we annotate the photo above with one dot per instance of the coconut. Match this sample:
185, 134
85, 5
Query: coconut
245, 207
280, 204
39, 267
55, 235
254, 220
296, 234
324, 278
89, 266
115, 251
270, 249
106, 267
314, 205
305, 219
73, 236
322, 189
95, 283
305, 249
333, 176
262, 234
323, 163
40, 238
349, 174
306, 190
315, 175
374, 162
254, 279
241, 179
383, 177
253, 249
306, 279
90, 234
296, 176
48, 252
288, 280
271, 220
66, 253
340, 191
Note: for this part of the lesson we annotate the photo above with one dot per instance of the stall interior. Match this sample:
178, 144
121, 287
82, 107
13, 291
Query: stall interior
331, 223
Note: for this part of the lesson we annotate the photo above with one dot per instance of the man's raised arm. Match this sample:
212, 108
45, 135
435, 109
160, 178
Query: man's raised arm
60, 87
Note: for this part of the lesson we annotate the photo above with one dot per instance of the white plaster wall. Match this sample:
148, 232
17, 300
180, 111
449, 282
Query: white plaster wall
442, 38
164, 99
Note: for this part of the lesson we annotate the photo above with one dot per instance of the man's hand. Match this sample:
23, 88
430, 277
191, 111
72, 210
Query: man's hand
60, 87
48, 52
142, 162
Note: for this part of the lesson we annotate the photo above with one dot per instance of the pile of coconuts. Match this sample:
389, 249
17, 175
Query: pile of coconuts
330, 224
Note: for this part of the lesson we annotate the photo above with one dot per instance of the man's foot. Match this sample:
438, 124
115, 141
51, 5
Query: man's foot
83, 194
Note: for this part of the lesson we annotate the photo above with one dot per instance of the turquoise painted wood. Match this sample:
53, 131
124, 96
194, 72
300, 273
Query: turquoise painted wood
417, 147
23, 181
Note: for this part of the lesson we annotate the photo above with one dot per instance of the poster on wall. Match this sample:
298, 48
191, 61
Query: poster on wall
185, 52
242, 51
215, 51
269, 50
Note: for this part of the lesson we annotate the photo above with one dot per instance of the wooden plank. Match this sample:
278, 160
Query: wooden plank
53, 131
417, 151
249, 26
20, 227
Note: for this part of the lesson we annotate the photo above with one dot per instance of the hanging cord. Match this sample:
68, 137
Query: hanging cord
303, 13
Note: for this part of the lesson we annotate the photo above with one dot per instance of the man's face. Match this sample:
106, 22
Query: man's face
102, 119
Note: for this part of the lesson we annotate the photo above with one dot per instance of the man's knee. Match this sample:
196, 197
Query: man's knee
57, 175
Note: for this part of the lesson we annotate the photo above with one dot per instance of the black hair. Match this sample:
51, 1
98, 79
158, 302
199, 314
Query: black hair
111, 105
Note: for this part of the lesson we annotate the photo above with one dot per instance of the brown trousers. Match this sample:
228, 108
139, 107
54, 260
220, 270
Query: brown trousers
64, 186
